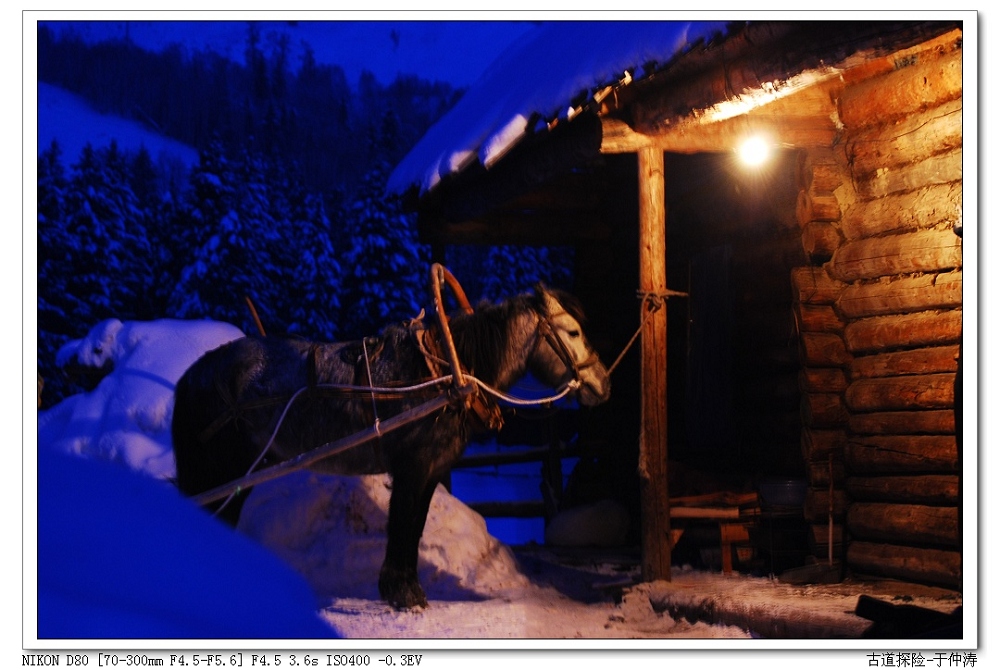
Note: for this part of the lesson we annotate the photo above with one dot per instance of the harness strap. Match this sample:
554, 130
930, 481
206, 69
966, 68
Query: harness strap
371, 385
561, 350
483, 408
427, 345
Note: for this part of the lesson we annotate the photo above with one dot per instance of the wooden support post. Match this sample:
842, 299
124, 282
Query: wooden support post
653, 431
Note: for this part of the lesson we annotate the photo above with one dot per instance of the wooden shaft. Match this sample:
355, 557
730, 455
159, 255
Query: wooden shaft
329, 449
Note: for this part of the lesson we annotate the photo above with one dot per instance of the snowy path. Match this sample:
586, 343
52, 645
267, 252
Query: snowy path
540, 613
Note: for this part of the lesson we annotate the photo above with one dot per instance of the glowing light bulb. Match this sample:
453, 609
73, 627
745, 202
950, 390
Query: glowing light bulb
754, 151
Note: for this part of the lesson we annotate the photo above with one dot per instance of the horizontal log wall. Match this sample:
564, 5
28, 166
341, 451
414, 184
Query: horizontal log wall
879, 316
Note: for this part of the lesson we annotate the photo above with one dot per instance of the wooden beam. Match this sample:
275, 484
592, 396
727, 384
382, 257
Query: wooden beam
655, 500
803, 119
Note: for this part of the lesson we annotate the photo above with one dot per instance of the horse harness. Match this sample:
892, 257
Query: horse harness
484, 409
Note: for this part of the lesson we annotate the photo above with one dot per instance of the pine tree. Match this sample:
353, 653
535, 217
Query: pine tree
314, 302
57, 305
385, 268
109, 251
94, 254
227, 244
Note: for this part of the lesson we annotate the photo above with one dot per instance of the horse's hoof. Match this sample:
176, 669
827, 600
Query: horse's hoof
401, 594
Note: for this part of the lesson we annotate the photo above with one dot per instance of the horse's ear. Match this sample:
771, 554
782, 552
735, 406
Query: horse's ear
540, 290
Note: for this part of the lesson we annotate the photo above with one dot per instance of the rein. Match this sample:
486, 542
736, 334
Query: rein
464, 387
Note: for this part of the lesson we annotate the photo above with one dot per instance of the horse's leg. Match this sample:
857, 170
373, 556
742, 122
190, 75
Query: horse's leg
409, 502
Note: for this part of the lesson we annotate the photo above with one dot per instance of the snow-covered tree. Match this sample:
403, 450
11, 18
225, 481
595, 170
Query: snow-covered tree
385, 267
238, 245
56, 303
512, 269
93, 247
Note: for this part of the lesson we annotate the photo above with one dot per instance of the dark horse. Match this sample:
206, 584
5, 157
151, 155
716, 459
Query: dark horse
230, 402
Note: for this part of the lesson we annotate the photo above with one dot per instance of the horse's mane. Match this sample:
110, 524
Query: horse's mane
482, 338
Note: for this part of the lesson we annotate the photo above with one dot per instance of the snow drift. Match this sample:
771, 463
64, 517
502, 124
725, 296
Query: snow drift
123, 554
332, 530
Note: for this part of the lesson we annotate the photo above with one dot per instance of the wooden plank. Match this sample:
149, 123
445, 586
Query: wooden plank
654, 494
898, 296
921, 329
887, 454
939, 169
918, 489
926, 422
822, 380
519, 509
927, 207
817, 206
819, 171
820, 240
813, 286
303, 461
929, 566
922, 251
819, 472
720, 499
823, 350
874, 394
918, 82
816, 507
705, 513
817, 319
823, 410
932, 131
914, 361
903, 524
819, 445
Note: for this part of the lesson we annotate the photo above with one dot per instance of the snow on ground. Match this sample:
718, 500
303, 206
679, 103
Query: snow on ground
61, 114
531, 613
122, 554
332, 531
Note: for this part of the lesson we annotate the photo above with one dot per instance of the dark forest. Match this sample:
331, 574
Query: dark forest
286, 204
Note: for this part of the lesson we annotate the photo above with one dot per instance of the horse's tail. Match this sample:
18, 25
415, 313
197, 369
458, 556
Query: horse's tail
208, 449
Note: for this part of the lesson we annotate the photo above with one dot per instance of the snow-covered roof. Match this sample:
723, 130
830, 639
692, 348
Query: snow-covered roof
550, 74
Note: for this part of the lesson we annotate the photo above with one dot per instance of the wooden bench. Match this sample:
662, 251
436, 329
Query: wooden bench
732, 511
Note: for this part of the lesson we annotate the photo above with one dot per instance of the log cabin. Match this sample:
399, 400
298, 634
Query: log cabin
802, 319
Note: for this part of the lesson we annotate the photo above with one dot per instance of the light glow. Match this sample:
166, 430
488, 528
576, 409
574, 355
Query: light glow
754, 151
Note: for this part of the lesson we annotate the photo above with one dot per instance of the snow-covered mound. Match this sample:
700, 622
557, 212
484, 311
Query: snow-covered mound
126, 418
332, 530
72, 122
121, 555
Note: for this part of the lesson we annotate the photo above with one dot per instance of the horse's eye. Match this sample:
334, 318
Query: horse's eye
573, 333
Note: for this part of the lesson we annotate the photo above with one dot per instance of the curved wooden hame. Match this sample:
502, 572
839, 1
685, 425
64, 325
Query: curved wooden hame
440, 274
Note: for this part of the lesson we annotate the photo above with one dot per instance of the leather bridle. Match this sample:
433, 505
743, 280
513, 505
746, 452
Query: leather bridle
548, 333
